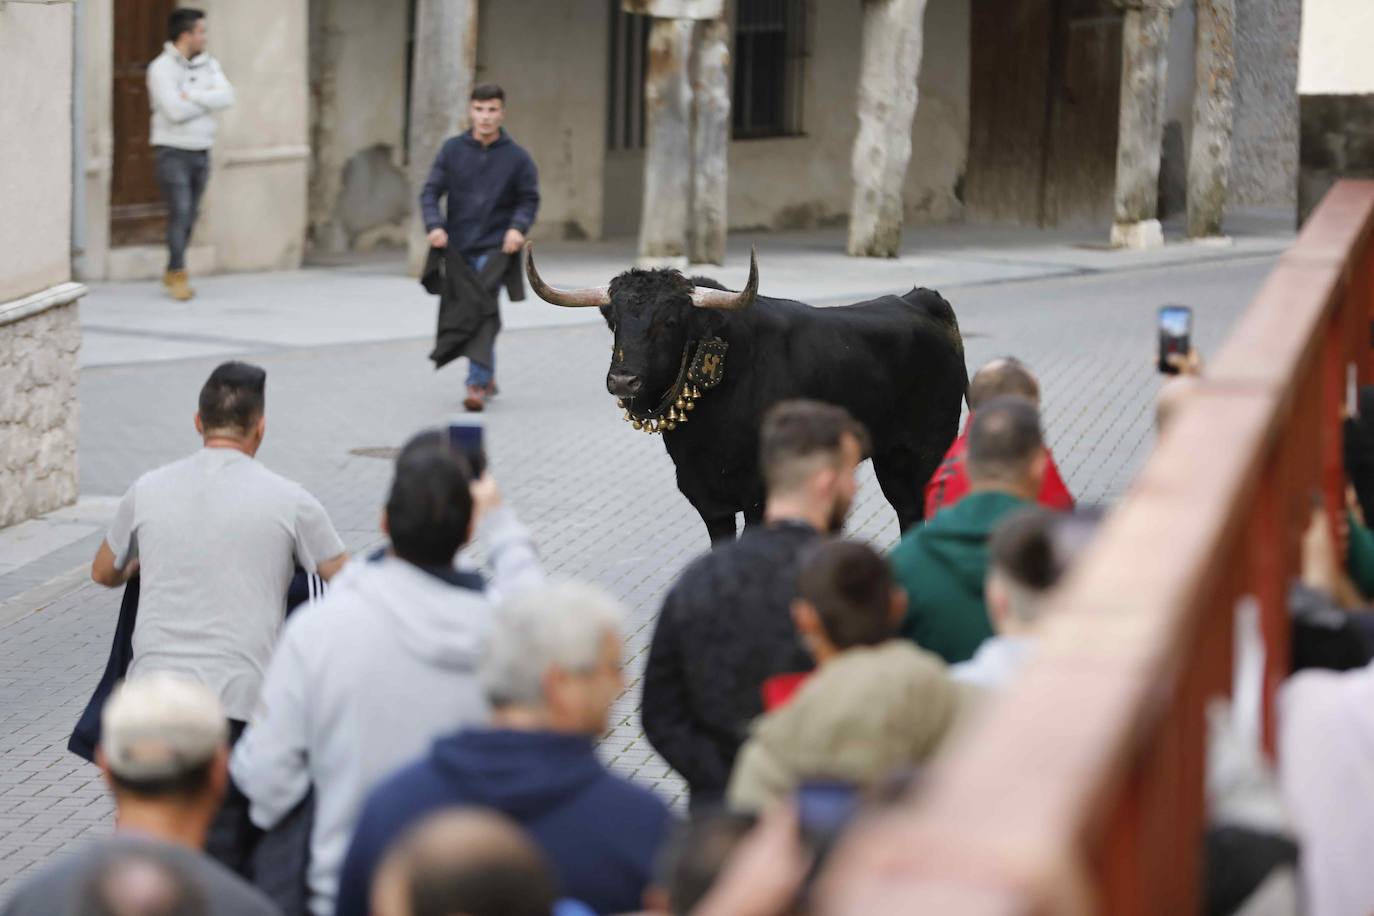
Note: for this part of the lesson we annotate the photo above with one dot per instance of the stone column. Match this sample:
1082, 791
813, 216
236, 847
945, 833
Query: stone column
445, 54
710, 144
892, 39
1209, 160
1144, 72
668, 144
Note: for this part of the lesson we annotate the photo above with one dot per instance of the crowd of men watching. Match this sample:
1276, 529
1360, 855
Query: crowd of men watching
419, 739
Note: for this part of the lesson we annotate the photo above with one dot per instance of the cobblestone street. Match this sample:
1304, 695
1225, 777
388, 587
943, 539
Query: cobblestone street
600, 497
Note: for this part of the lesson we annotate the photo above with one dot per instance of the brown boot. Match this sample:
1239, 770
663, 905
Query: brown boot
177, 285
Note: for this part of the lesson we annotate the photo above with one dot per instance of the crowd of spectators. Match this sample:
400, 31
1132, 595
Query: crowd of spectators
419, 738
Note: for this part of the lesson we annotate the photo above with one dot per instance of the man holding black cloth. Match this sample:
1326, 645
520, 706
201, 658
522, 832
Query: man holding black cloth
492, 191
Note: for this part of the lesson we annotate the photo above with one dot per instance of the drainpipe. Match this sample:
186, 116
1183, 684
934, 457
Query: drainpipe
78, 214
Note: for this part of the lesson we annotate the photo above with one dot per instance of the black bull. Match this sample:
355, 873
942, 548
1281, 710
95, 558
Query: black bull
896, 363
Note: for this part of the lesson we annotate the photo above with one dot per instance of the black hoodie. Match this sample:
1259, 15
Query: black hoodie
601, 832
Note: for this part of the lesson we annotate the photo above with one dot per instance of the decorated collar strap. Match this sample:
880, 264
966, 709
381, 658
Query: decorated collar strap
702, 372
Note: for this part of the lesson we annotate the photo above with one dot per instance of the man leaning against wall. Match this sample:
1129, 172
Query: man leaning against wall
185, 88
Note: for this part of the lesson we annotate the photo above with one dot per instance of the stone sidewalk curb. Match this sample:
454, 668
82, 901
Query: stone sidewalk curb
36, 599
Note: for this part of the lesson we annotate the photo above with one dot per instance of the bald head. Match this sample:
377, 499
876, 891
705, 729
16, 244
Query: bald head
1000, 378
467, 861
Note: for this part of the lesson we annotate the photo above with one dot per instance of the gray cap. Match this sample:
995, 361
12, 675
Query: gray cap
160, 726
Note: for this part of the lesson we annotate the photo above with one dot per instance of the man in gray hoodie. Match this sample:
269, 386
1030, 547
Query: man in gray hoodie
365, 680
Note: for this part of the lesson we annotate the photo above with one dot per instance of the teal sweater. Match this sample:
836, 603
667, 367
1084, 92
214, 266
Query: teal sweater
942, 565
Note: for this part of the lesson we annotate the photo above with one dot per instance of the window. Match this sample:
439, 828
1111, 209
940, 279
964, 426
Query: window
770, 46
629, 58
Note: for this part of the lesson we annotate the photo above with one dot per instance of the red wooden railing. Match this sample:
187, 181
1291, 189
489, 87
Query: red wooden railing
1081, 790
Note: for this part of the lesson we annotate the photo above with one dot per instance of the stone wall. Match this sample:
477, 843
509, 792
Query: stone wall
1336, 82
38, 403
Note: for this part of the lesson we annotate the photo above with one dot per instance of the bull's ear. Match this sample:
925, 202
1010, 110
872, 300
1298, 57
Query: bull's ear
609, 315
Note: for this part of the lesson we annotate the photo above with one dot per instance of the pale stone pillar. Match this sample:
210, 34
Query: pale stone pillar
1209, 160
710, 144
1144, 73
445, 54
892, 39
668, 143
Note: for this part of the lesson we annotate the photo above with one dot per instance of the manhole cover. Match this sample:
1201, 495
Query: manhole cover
375, 452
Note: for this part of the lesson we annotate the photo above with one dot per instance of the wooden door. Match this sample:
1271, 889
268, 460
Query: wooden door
137, 214
1080, 168
1045, 87
1009, 85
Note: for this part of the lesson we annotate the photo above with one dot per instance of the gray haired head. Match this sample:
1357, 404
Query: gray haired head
561, 625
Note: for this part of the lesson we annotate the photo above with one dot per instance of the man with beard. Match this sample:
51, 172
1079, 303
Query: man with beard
726, 626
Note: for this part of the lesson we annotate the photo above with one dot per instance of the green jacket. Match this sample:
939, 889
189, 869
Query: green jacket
942, 565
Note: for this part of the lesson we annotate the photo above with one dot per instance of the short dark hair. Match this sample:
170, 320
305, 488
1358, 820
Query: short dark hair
1034, 547
800, 429
697, 852
233, 397
1000, 378
1003, 439
485, 92
188, 784
182, 20
850, 586
429, 507
1022, 547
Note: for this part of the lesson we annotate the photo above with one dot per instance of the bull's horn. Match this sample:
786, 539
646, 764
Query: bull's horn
596, 296
706, 298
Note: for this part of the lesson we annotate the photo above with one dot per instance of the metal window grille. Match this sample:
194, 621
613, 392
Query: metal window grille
769, 53
629, 61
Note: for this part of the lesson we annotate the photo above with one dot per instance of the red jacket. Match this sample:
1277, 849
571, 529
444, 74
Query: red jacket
949, 483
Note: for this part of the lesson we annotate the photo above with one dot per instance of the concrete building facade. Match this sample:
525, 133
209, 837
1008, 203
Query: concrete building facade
314, 157
1337, 96
39, 331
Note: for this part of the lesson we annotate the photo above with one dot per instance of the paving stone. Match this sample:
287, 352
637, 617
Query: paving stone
600, 497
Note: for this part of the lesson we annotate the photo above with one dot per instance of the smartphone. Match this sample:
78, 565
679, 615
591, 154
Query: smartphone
465, 435
1175, 335
824, 809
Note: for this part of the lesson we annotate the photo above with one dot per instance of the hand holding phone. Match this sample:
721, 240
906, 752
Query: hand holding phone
465, 436
1175, 336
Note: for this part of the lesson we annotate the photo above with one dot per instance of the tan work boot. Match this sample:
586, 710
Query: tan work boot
178, 287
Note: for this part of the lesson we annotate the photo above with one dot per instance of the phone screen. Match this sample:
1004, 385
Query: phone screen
465, 435
1175, 332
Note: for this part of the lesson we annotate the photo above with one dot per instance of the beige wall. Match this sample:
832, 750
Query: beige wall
804, 181
97, 83
1335, 56
551, 59
255, 205
35, 147
358, 73
798, 182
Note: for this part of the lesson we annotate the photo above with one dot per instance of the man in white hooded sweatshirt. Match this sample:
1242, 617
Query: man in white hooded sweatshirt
364, 680
185, 88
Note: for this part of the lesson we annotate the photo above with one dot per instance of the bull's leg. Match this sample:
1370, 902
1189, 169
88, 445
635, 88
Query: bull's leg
753, 515
902, 474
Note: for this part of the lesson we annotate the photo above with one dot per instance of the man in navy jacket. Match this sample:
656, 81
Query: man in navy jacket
492, 191
551, 672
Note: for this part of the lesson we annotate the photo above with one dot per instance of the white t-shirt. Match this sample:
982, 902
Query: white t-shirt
216, 535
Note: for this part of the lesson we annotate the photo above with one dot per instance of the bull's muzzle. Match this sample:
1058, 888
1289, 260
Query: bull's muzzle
623, 384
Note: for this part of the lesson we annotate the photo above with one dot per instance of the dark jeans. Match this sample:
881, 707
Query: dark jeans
181, 174
478, 374
232, 836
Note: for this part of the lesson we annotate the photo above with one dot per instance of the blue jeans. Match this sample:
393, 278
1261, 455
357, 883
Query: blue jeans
479, 375
181, 174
